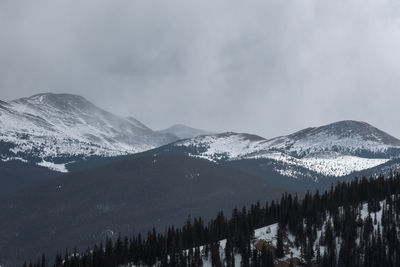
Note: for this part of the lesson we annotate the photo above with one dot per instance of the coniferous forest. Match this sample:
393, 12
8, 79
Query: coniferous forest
352, 224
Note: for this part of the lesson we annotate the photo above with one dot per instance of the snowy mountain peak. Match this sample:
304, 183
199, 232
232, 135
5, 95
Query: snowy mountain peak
347, 137
62, 125
349, 129
335, 149
61, 101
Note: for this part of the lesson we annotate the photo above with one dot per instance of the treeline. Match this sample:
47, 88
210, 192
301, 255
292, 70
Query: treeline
196, 240
349, 233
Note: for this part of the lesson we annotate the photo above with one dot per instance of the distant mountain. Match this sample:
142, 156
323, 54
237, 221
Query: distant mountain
184, 132
133, 195
345, 137
46, 135
49, 129
51, 134
335, 150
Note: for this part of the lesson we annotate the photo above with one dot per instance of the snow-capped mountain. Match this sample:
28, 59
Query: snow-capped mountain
183, 131
47, 127
61, 132
337, 149
346, 137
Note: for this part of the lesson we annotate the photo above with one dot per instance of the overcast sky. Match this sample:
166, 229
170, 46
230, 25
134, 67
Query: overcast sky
267, 67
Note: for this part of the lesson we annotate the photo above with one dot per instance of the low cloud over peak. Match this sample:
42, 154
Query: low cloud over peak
266, 67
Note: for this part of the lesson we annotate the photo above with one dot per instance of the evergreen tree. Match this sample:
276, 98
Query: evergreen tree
279, 252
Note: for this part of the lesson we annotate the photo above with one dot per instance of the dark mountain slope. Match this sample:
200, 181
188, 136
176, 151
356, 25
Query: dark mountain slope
15, 174
133, 195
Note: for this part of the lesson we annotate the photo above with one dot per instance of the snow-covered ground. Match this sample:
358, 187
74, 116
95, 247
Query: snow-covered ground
334, 165
53, 166
268, 234
229, 145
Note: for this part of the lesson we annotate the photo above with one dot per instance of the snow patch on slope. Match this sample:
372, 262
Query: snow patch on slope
5, 159
53, 166
336, 165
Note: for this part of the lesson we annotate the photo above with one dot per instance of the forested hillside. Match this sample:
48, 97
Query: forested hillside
354, 224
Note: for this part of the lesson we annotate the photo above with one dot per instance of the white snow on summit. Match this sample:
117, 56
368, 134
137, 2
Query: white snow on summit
62, 125
336, 149
48, 126
227, 145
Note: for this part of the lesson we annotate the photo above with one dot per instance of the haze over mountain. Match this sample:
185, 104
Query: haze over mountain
264, 67
183, 132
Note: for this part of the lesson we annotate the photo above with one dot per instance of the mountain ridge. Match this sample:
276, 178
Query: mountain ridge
335, 149
65, 132
184, 132
54, 125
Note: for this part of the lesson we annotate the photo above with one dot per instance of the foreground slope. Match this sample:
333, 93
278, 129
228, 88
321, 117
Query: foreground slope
133, 195
352, 224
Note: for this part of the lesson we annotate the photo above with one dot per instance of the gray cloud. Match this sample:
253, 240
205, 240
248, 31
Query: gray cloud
265, 67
